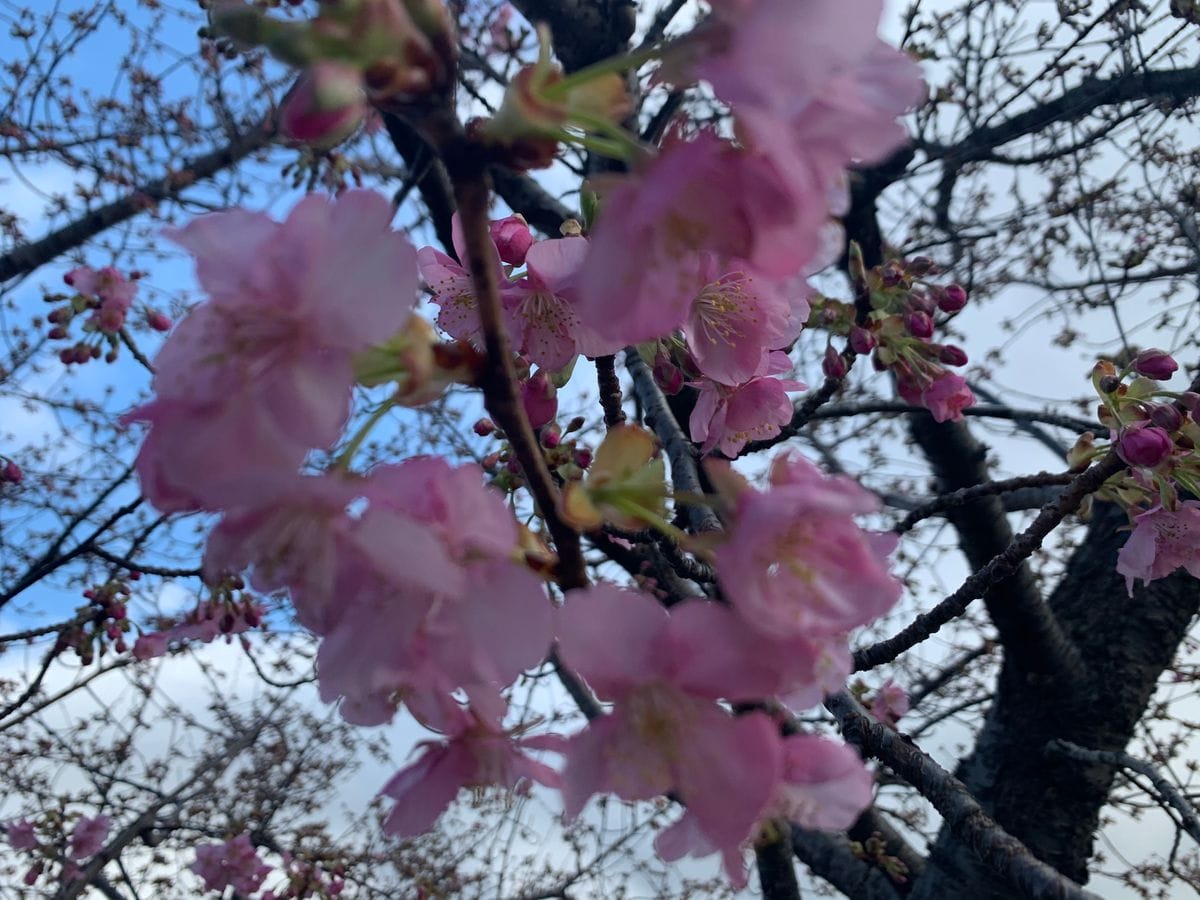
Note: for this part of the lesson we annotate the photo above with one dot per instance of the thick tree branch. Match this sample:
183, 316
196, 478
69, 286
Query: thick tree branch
24, 259
963, 815
829, 856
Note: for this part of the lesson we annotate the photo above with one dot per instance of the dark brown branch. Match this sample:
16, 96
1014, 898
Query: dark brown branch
610, 391
830, 857
1000, 566
962, 496
24, 259
1170, 794
964, 817
776, 869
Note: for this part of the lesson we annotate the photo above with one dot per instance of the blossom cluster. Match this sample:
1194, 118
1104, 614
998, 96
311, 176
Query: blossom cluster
106, 296
87, 838
423, 588
1155, 432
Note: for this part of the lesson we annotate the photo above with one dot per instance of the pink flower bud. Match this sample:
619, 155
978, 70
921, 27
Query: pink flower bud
582, 457
667, 375
861, 340
834, 365
1155, 364
11, 473
953, 298
1166, 416
324, 107
551, 437
513, 239
919, 324
540, 397
951, 355
157, 320
1143, 444
484, 427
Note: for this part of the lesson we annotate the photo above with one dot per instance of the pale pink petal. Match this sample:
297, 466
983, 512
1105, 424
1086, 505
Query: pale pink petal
609, 636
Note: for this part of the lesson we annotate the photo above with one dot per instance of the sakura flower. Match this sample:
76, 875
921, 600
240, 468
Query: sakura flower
476, 753
943, 393
232, 864
824, 785
452, 288
666, 733
265, 366
294, 532
686, 838
89, 836
796, 563
114, 293
889, 703
1162, 541
642, 271
727, 418
540, 308
539, 396
461, 613
21, 835
735, 320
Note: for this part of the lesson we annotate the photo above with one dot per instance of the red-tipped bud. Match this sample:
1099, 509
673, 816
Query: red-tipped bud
1143, 444
324, 107
834, 364
582, 457
11, 473
484, 427
157, 320
919, 324
951, 355
540, 398
1155, 364
551, 437
952, 298
1166, 416
861, 340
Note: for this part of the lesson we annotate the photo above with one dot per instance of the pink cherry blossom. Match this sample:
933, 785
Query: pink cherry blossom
736, 319
643, 268
433, 560
89, 836
232, 864
824, 786
1162, 541
824, 76
727, 418
943, 393
666, 733
476, 753
21, 835
263, 370
452, 288
890, 703
796, 563
540, 308
686, 838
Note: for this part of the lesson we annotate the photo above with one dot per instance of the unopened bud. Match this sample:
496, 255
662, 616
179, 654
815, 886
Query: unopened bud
834, 364
1108, 384
1155, 364
1143, 444
919, 324
953, 298
1166, 416
324, 107
951, 355
861, 340
484, 427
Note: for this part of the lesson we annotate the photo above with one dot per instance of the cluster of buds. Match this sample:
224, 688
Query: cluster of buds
322, 878
227, 612
104, 296
565, 456
1152, 429
101, 623
899, 332
352, 54
10, 472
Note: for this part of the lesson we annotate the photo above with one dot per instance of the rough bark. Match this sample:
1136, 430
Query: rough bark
1052, 804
